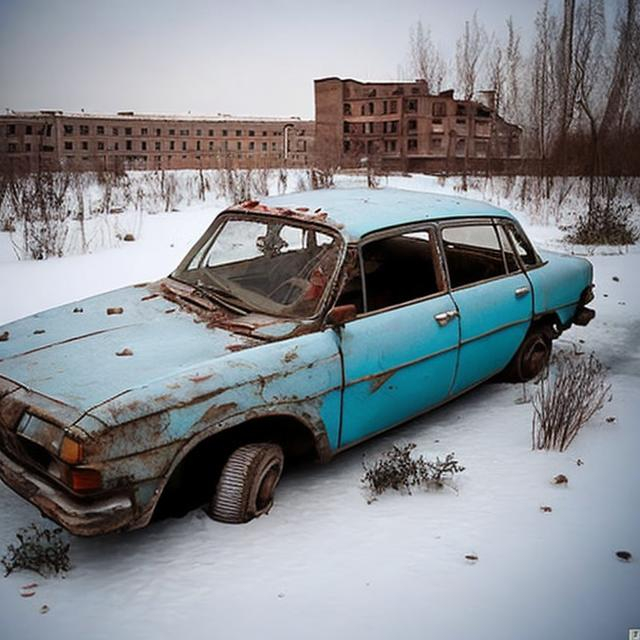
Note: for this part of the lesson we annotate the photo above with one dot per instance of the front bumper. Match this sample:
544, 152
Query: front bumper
80, 517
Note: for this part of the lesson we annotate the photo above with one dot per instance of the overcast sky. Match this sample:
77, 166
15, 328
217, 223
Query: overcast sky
249, 57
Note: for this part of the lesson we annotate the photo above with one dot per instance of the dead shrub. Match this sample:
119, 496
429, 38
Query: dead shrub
396, 469
571, 391
40, 550
609, 224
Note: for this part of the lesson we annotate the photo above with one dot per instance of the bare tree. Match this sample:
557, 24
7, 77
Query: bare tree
511, 107
426, 62
470, 49
566, 86
497, 72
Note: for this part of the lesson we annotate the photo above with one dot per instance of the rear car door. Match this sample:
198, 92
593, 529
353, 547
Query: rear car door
492, 295
399, 353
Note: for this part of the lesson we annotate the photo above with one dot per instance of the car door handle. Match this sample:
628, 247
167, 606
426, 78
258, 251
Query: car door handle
445, 317
521, 291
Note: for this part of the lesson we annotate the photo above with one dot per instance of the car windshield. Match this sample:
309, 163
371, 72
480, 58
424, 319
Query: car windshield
263, 264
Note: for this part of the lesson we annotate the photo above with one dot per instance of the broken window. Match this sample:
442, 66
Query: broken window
158, 146
523, 247
473, 253
399, 269
158, 132
100, 130
412, 106
439, 109
28, 130
11, 130
85, 145
114, 131
100, 146
238, 132
68, 129
412, 125
128, 145
198, 132
143, 145
144, 131
251, 133
128, 131
211, 133
412, 144
68, 145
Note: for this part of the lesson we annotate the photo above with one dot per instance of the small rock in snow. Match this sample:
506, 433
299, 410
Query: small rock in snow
129, 237
615, 279
625, 556
44, 608
546, 509
471, 557
39, 332
610, 418
124, 352
78, 310
579, 462
281, 595
560, 479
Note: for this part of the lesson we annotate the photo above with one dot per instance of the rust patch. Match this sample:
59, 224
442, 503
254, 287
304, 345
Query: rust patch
114, 311
379, 380
125, 352
171, 310
197, 379
291, 355
213, 414
140, 285
4, 336
235, 347
151, 296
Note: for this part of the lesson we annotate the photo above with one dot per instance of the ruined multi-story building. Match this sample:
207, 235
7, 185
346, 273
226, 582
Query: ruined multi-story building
128, 140
401, 126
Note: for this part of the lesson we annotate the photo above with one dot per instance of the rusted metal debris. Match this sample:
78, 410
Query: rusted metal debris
124, 352
114, 311
4, 336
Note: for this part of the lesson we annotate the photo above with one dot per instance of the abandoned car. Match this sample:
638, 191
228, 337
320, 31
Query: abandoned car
299, 326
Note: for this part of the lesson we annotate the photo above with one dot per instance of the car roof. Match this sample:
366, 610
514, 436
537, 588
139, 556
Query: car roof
357, 212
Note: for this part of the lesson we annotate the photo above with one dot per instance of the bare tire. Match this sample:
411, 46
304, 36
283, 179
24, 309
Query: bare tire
247, 483
532, 356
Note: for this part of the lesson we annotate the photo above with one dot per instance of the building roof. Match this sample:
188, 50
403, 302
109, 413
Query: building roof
357, 212
132, 115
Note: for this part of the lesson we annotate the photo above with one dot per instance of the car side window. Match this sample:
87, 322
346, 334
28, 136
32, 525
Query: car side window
473, 253
400, 268
507, 247
524, 248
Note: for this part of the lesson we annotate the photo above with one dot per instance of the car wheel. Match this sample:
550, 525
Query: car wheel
532, 356
247, 483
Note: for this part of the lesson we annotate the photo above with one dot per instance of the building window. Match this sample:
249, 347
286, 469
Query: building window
252, 146
198, 145
368, 127
251, 133
461, 146
100, 130
13, 147
68, 145
346, 109
172, 132
114, 131
238, 132
390, 146
264, 133
128, 131
116, 146
412, 106
143, 145
11, 130
412, 144
274, 146
172, 145
158, 132
198, 132
390, 127
184, 145
346, 147
85, 145
226, 145
128, 145
225, 132
28, 131
370, 108
436, 143
184, 132
211, 145
264, 146
481, 148
346, 127
144, 131
412, 125
239, 146
68, 129
100, 146
439, 109
211, 133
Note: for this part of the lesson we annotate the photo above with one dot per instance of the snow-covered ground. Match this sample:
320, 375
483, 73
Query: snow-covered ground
324, 563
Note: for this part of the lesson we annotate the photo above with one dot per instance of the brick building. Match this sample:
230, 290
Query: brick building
400, 126
82, 141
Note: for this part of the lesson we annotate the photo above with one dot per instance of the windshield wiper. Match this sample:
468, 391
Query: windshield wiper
220, 294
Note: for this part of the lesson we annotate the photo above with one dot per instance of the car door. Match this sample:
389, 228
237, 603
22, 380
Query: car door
492, 295
399, 353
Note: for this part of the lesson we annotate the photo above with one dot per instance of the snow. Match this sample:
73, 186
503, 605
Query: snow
325, 563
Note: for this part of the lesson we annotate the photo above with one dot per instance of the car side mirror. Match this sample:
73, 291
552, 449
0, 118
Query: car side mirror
341, 314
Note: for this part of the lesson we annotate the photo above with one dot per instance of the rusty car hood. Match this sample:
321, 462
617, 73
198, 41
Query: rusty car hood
87, 352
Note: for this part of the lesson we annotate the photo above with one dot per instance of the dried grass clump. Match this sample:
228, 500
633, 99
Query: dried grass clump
396, 469
568, 395
39, 550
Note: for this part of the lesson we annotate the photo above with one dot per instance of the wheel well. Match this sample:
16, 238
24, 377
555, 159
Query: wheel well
549, 320
193, 481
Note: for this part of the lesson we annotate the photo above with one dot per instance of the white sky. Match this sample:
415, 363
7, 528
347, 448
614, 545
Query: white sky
248, 57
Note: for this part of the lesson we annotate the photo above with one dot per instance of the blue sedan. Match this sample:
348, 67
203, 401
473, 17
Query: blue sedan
297, 326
